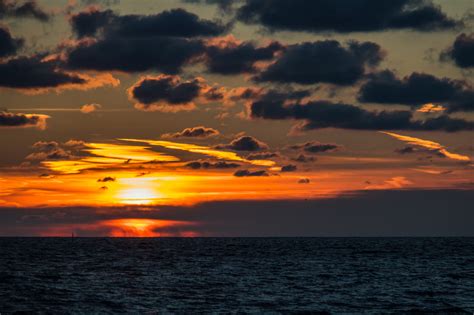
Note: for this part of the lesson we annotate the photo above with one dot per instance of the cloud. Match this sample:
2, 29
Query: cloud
417, 89
169, 93
461, 52
325, 114
288, 168
316, 147
169, 23
262, 155
164, 54
8, 44
345, 16
427, 144
323, 62
193, 132
229, 56
247, 173
205, 150
244, 143
37, 74
23, 9
304, 181
211, 165
106, 179
18, 120
52, 150
304, 158
89, 108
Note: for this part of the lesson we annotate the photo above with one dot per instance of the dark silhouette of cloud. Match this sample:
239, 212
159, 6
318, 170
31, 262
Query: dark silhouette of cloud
234, 58
17, 120
345, 16
37, 74
170, 23
169, 93
316, 147
23, 9
462, 51
304, 158
164, 54
244, 143
323, 62
262, 156
325, 114
211, 165
106, 179
288, 168
8, 44
32, 72
417, 89
247, 173
193, 132
304, 181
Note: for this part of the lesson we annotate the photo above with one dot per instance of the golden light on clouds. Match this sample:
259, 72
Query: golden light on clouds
431, 108
220, 154
430, 145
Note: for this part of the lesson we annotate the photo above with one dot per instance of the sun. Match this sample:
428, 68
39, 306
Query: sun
139, 196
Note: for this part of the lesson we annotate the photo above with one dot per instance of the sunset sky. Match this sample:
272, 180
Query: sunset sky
236, 118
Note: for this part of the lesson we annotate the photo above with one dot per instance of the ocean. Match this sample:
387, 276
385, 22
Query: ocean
237, 275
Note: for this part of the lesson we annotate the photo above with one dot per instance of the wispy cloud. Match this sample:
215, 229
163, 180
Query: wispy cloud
220, 154
430, 145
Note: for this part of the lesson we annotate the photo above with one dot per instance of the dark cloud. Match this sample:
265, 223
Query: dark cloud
51, 154
244, 143
238, 58
262, 156
13, 120
345, 16
304, 158
323, 62
325, 114
88, 23
247, 173
316, 147
45, 145
462, 51
170, 93
304, 181
288, 168
211, 165
22, 9
34, 73
8, 44
106, 179
164, 54
417, 89
194, 132
170, 23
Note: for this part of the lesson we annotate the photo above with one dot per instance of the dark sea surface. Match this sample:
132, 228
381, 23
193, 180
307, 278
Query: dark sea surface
236, 275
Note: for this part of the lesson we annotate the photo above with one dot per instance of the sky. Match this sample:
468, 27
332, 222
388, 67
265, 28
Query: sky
236, 118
